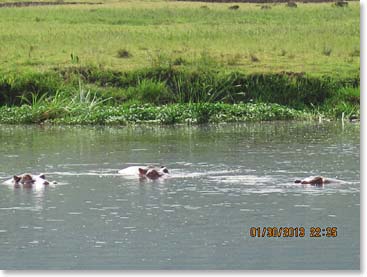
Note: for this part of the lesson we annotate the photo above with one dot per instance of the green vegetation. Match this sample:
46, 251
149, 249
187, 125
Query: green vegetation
44, 37
174, 62
194, 113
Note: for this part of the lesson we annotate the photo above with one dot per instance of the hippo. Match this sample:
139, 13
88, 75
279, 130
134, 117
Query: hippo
317, 181
28, 181
150, 172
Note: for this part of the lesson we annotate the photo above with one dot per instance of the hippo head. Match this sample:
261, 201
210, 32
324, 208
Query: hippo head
153, 173
27, 180
317, 181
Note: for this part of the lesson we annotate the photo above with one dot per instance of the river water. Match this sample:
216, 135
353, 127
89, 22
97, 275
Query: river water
224, 180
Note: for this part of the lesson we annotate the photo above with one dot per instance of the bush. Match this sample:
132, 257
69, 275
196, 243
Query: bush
291, 4
341, 3
14, 87
149, 91
123, 53
234, 7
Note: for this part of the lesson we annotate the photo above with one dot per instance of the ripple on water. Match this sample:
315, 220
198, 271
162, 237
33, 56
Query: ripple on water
33, 209
247, 210
188, 207
34, 242
248, 180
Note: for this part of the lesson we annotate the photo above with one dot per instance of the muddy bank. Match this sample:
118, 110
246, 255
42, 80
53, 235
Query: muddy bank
31, 4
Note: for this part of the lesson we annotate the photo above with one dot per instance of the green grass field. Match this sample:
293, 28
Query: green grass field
318, 39
173, 62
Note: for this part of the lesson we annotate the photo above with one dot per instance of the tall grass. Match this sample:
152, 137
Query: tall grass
169, 85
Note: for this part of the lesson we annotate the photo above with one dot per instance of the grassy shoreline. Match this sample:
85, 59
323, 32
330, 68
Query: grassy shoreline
89, 95
172, 60
194, 113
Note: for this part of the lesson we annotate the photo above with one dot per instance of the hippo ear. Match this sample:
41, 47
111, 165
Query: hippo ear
42, 176
17, 178
142, 171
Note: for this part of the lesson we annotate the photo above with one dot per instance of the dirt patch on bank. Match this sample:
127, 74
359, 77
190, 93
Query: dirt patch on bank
31, 4
257, 1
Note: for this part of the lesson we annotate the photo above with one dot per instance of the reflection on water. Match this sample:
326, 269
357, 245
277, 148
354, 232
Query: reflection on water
223, 180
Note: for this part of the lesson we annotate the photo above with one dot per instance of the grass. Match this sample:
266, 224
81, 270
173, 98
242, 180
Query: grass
162, 85
61, 93
41, 38
175, 62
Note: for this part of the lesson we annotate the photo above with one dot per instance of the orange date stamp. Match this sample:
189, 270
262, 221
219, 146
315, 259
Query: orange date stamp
293, 232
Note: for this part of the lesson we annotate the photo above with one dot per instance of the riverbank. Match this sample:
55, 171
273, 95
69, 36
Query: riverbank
170, 95
195, 113
173, 58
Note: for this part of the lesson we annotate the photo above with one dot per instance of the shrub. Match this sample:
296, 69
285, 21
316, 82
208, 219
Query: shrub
123, 53
291, 4
149, 91
341, 3
234, 7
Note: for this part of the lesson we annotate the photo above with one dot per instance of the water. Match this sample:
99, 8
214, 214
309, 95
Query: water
224, 180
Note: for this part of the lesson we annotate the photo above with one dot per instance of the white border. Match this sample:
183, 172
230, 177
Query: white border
363, 45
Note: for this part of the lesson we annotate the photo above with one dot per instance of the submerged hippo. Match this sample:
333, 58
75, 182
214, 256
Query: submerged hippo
28, 180
318, 181
150, 172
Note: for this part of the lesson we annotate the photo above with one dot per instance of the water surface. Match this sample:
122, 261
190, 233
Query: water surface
224, 180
